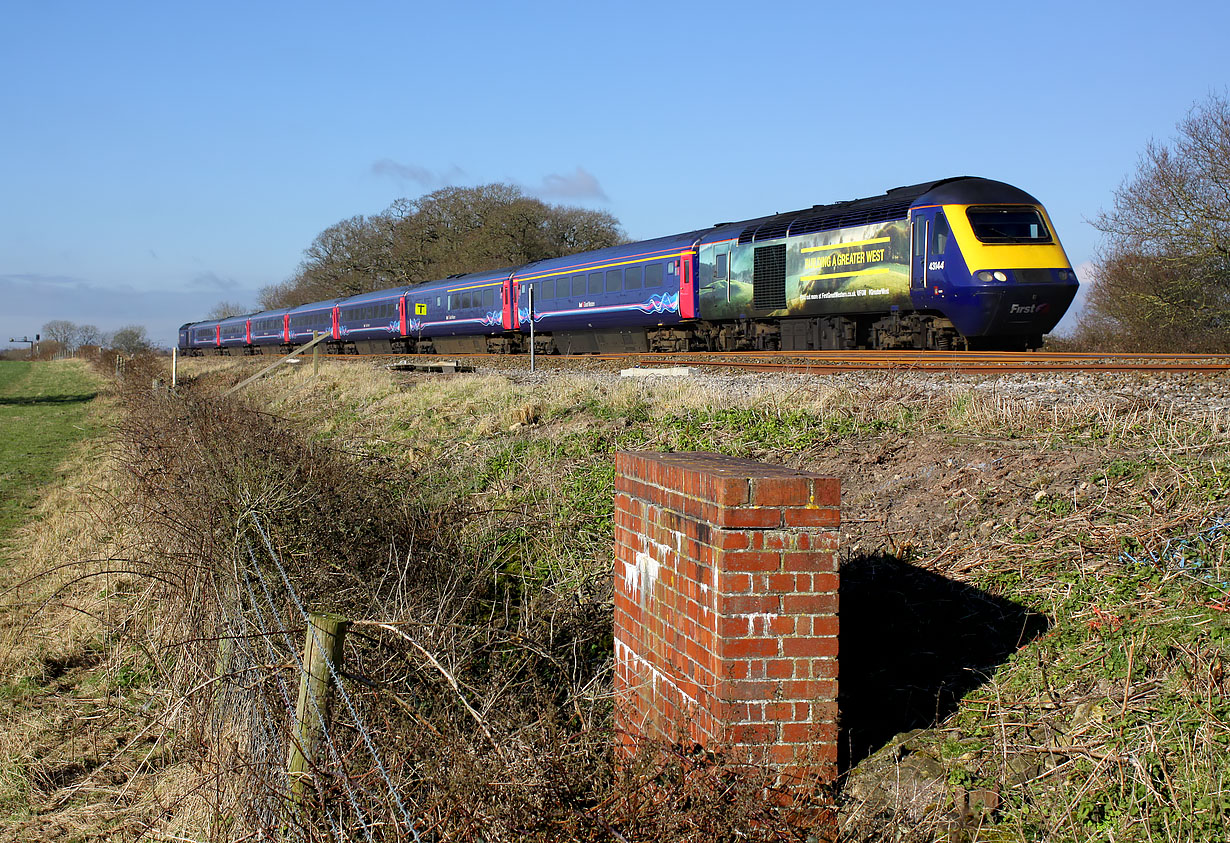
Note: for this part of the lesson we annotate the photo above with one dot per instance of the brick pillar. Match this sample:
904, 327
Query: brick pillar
726, 608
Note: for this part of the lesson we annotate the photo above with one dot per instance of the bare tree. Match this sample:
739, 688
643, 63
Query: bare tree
63, 332
1163, 279
90, 335
131, 339
455, 229
226, 309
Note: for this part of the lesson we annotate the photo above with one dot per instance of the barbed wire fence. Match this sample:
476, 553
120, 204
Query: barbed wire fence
346, 791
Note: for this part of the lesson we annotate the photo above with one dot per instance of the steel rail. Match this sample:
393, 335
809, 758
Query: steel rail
845, 361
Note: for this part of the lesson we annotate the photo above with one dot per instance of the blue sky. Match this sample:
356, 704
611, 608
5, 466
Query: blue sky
156, 158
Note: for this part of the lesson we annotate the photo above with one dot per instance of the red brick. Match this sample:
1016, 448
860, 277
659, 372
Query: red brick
809, 646
782, 625
755, 733
824, 668
743, 604
798, 733
748, 517
733, 583
810, 561
810, 517
781, 491
749, 689
779, 668
732, 539
821, 583
826, 491
815, 603
787, 584
824, 626
753, 648
750, 560
726, 491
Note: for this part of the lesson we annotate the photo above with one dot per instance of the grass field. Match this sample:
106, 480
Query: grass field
44, 410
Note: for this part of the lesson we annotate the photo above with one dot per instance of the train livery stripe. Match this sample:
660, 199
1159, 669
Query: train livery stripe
844, 245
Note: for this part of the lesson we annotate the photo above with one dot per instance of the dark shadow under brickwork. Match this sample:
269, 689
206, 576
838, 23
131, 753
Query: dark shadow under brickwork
912, 644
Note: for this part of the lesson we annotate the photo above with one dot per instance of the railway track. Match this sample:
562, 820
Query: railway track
956, 361
821, 362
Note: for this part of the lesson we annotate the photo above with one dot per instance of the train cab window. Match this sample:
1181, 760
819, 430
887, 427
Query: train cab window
632, 278
939, 234
719, 265
614, 280
1012, 224
919, 237
653, 275
595, 283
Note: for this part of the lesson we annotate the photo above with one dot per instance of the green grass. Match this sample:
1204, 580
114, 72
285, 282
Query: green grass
44, 410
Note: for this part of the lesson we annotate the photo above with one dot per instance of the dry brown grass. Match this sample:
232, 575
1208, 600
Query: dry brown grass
483, 536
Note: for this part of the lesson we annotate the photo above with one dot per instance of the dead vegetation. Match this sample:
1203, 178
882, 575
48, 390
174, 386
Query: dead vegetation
1033, 632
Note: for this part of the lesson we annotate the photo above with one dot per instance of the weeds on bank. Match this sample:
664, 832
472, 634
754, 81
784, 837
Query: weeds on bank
469, 513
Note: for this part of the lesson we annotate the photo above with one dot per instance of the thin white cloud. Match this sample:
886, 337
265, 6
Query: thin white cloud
419, 175
580, 184
212, 281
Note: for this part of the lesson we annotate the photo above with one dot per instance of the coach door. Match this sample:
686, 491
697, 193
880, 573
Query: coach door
920, 234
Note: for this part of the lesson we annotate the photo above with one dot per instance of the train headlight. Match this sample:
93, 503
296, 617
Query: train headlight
1000, 276
1063, 275
985, 275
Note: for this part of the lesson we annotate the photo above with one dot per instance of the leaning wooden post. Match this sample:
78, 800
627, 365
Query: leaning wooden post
315, 356
322, 646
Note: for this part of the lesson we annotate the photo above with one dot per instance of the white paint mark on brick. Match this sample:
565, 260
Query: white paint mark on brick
766, 617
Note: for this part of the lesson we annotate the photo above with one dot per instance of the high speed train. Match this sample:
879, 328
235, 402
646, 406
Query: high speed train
961, 263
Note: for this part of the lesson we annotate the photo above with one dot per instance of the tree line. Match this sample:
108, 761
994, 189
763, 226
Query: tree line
69, 336
1162, 277
452, 230
1162, 281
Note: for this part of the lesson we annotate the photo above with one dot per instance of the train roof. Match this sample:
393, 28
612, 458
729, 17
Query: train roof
315, 305
645, 249
894, 204
375, 295
265, 314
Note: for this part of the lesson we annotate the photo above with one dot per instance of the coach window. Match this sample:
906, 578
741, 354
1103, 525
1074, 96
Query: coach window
595, 283
670, 268
578, 285
653, 275
939, 234
489, 297
719, 265
632, 278
614, 280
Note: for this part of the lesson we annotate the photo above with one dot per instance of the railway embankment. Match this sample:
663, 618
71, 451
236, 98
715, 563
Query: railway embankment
1035, 614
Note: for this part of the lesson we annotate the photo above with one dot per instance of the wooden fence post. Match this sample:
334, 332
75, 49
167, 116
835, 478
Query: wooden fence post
322, 645
315, 356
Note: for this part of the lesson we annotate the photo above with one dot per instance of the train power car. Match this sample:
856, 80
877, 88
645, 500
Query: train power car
959, 263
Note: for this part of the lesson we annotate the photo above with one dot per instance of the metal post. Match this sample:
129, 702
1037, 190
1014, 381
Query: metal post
531, 291
323, 646
174, 366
